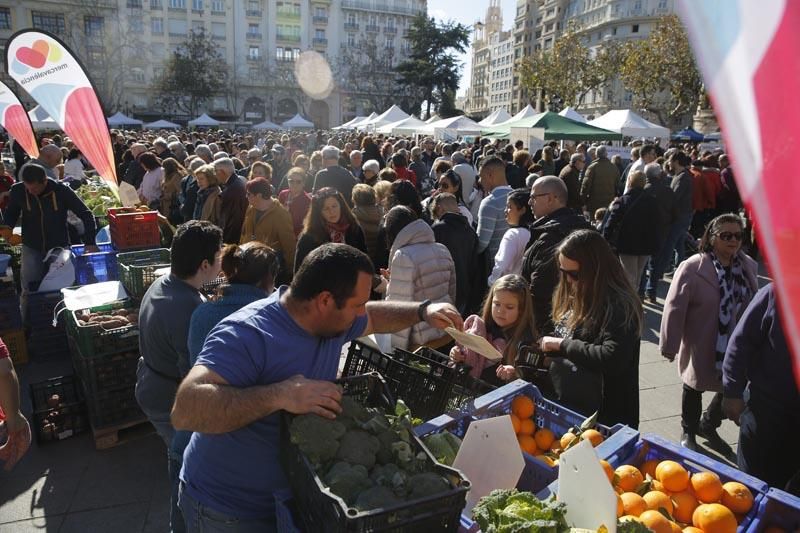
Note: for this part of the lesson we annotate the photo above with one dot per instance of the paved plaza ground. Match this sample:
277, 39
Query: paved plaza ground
69, 486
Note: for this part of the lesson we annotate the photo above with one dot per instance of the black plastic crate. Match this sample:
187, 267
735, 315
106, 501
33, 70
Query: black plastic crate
113, 407
48, 342
323, 511
10, 315
41, 307
95, 340
61, 418
425, 380
210, 288
110, 372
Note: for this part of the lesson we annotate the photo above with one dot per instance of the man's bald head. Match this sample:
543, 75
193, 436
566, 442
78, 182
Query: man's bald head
50, 155
548, 194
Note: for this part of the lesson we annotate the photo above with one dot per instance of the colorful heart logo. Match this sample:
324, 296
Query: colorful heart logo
31, 56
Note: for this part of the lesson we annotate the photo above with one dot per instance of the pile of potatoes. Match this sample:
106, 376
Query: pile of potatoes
118, 318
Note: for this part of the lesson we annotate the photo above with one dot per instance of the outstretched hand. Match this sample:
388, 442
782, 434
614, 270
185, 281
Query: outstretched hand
443, 315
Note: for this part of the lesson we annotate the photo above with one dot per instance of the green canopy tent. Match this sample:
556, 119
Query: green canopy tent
556, 128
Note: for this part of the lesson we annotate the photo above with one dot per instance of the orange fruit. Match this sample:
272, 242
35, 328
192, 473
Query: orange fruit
593, 436
567, 438
648, 468
675, 527
546, 460
657, 500
706, 486
608, 469
714, 518
657, 485
737, 497
620, 507
656, 521
522, 406
527, 427
544, 438
633, 504
527, 444
692, 529
672, 475
516, 422
629, 477
683, 505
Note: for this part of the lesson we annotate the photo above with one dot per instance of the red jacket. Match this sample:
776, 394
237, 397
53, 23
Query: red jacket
706, 185
404, 174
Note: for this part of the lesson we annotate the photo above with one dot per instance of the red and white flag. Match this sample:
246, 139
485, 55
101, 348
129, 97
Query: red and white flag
747, 52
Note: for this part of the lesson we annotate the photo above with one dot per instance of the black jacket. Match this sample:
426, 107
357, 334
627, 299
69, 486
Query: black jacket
539, 264
634, 224
613, 354
665, 198
189, 188
44, 217
308, 242
134, 174
339, 178
457, 235
515, 175
232, 209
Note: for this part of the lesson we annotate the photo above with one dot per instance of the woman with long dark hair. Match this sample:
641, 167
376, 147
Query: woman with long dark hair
170, 206
594, 355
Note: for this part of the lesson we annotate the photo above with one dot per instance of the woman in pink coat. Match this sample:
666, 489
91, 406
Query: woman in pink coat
707, 296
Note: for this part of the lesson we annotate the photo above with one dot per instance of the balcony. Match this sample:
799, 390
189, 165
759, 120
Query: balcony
156, 4
320, 41
372, 28
287, 38
253, 36
369, 5
217, 12
351, 26
257, 13
195, 11
254, 59
320, 19
390, 30
218, 37
284, 14
134, 4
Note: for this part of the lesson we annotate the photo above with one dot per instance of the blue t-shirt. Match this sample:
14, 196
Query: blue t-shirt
237, 473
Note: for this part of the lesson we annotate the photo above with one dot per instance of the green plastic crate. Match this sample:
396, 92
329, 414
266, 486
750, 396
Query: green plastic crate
137, 270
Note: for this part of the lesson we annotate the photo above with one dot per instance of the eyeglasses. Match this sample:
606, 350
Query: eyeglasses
727, 236
573, 274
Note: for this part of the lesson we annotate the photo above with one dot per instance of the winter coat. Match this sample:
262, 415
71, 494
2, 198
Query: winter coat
475, 325
233, 204
274, 229
689, 323
599, 184
369, 218
665, 200
420, 269
682, 187
539, 264
633, 226
454, 232
571, 178
207, 206
307, 242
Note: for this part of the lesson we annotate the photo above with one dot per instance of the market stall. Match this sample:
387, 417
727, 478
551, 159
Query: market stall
629, 124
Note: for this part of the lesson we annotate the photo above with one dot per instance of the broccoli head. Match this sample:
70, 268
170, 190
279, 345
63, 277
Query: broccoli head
347, 481
317, 437
358, 447
376, 498
444, 446
392, 477
427, 484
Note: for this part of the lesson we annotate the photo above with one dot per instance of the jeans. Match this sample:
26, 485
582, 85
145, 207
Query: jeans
201, 518
32, 271
692, 406
676, 240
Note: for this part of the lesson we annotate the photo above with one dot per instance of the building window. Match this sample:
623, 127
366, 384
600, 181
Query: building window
95, 56
220, 102
136, 25
198, 26
137, 75
218, 29
197, 5
351, 39
93, 26
177, 4
156, 4
218, 6
614, 31
320, 12
319, 34
5, 18
635, 28
279, 53
48, 22
157, 26
253, 30
253, 52
177, 27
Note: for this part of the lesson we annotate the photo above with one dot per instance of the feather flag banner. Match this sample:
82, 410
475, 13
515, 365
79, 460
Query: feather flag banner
752, 72
46, 68
16, 121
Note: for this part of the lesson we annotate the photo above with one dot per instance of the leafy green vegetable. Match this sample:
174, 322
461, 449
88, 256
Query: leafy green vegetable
317, 437
444, 446
511, 511
347, 481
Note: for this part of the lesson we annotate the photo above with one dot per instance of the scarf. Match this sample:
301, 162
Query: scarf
337, 231
734, 294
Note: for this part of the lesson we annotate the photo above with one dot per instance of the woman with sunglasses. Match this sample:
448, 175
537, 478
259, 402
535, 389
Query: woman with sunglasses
328, 220
450, 182
594, 353
711, 288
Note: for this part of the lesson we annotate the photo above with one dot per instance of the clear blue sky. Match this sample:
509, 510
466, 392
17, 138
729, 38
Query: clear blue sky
467, 12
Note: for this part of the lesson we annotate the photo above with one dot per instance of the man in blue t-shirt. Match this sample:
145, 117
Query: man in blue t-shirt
281, 353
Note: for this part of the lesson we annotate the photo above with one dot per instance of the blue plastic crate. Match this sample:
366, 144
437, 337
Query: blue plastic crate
778, 509
10, 315
537, 475
283, 512
95, 267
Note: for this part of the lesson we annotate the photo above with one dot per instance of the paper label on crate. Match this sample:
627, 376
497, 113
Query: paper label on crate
490, 458
128, 195
584, 487
93, 295
476, 343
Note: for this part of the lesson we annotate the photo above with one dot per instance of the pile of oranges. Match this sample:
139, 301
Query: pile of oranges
542, 443
666, 498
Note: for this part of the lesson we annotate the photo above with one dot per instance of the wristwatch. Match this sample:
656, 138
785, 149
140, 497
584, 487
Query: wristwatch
421, 310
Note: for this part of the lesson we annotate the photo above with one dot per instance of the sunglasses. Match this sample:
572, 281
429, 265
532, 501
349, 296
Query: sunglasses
573, 274
727, 236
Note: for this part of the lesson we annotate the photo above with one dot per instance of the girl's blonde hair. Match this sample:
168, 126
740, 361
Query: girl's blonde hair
524, 329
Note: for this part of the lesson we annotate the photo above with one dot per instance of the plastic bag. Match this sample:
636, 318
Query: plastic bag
60, 270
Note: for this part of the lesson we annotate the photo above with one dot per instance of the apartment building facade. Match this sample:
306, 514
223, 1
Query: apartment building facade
125, 45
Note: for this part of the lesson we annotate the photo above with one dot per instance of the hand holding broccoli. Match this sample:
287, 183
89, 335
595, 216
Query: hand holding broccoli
302, 396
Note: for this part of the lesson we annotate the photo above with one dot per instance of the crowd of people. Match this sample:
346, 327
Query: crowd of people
325, 237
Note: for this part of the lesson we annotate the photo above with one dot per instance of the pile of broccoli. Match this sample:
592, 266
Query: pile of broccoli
365, 456
444, 446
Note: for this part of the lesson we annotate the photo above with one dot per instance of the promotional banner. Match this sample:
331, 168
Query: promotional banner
45, 67
16, 121
752, 73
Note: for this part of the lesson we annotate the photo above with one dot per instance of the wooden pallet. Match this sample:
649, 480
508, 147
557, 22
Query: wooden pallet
109, 437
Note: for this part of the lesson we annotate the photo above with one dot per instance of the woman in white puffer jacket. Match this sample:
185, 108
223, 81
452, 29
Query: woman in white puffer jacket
419, 269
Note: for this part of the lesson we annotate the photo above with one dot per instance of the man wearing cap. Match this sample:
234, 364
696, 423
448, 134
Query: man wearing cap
332, 175
43, 204
280, 166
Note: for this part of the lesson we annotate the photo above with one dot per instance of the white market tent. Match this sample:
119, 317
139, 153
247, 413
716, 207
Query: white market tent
393, 114
40, 120
347, 125
570, 113
630, 124
360, 123
526, 112
407, 126
497, 117
204, 120
162, 125
461, 125
297, 123
266, 125
120, 119
433, 118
